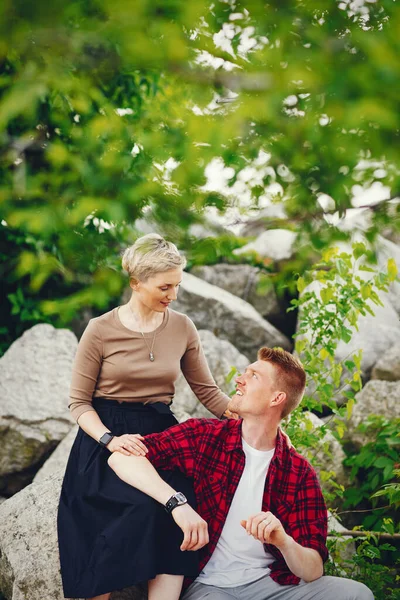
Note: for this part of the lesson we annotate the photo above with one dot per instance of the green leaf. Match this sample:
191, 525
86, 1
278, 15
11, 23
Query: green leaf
300, 345
349, 408
340, 428
342, 267
366, 291
359, 249
232, 373
327, 294
388, 472
383, 461
345, 334
301, 285
392, 269
324, 354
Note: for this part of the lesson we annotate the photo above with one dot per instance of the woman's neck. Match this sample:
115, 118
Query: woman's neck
142, 316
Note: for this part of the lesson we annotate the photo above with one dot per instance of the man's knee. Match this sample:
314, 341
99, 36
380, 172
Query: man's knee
345, 589
363, 593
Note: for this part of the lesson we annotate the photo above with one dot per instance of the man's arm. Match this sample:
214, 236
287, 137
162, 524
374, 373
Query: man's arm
140, 473
306, 563
304, 550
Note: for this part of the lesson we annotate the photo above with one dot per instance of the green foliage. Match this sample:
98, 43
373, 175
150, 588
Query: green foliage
96, 97
333, 294
390, 490
368, 565
374, 467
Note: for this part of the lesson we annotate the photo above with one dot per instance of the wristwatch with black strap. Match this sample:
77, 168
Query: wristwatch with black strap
177, 499
106, 439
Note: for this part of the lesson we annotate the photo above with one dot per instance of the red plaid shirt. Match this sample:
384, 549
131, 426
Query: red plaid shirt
211, 452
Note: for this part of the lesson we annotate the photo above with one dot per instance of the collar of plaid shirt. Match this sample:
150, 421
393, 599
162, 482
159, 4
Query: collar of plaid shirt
292, 492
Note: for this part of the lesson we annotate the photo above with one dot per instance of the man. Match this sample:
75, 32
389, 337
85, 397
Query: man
266, 517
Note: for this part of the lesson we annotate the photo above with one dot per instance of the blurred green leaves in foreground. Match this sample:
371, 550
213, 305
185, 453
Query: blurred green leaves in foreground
98, 97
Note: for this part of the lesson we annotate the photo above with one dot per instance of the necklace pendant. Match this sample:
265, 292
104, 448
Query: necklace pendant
151, 357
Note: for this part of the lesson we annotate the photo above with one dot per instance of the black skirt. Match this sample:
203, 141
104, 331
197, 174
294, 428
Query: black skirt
111, 535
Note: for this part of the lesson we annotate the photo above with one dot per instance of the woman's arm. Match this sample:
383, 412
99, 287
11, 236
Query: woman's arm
85, 371
198, 375
126, 444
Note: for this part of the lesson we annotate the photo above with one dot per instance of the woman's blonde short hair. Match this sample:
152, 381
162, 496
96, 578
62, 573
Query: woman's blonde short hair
151, 254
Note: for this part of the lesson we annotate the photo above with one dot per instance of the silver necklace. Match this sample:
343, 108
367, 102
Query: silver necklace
150, 348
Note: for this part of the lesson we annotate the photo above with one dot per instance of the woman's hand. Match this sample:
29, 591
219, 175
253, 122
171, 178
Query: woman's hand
230, 415
129, 443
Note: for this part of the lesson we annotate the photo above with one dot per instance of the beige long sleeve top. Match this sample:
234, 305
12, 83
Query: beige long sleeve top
113, 362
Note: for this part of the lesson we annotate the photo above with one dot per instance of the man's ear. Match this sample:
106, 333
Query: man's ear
279, 399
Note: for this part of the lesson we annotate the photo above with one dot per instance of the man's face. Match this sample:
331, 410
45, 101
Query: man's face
256, 389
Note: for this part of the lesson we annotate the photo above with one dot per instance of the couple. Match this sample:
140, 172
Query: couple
261, 521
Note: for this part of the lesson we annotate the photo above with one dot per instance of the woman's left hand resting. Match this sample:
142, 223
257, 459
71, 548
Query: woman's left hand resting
129, 443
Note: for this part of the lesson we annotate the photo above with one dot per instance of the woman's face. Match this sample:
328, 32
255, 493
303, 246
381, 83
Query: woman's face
158, 291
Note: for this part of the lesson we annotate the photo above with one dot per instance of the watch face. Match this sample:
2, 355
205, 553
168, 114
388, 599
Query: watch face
106, 438
180, 497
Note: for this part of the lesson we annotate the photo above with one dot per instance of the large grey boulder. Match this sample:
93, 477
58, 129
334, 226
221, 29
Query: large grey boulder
377, 397
388, 366
29, 560
35, 375
221, 357
375, 335
243, 281
276, 244
55, 465
228, 317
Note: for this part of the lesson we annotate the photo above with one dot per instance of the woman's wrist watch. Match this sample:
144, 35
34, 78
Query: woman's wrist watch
106, 439
177, 499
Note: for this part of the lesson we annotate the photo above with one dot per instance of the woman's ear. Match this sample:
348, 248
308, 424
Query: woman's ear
133, 283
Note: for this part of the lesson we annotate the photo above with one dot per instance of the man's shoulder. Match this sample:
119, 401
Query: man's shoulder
301, 465
211, 426
298, 463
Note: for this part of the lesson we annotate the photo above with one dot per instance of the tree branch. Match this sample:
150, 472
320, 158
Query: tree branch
349, 533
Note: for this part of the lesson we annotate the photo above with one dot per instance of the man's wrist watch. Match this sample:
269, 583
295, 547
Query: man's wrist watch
177, 499
106, 438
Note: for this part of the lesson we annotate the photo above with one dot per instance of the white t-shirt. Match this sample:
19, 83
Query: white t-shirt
238, 558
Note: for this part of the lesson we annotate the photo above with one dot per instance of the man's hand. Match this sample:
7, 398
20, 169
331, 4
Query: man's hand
193, 526
266, 528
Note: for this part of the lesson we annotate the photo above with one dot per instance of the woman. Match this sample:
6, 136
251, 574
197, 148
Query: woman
127, 362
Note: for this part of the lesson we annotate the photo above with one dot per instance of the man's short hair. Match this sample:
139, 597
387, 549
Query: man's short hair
290, 376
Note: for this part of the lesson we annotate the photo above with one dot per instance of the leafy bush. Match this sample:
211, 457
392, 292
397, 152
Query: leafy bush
374, 467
